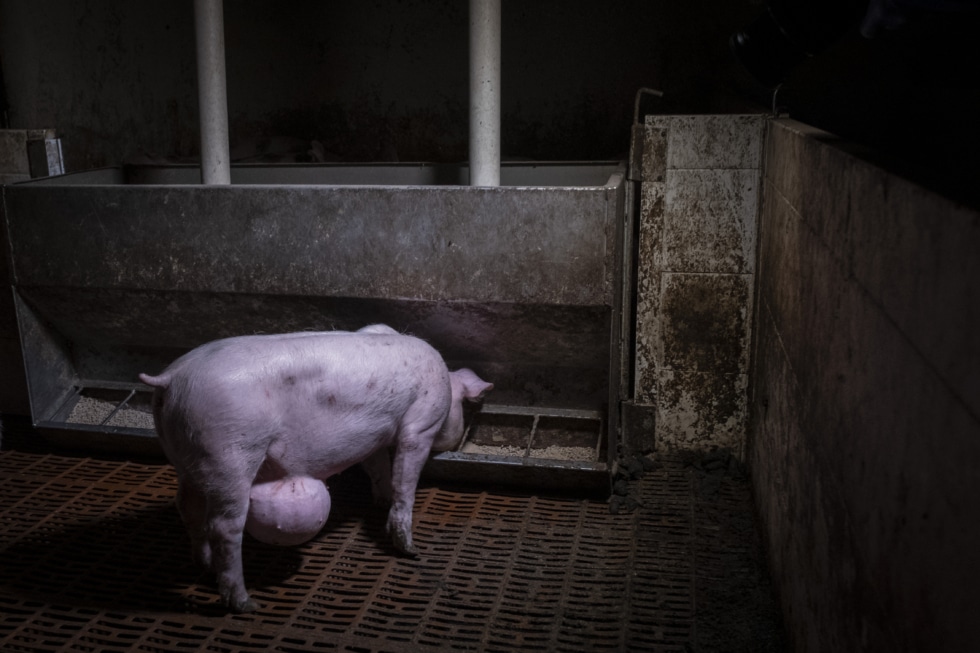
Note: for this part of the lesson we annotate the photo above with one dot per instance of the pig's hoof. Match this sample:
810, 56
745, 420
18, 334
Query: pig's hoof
404, 544
240, 607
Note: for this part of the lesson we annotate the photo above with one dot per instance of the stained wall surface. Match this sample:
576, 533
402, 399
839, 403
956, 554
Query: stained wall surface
865, 398
696, 270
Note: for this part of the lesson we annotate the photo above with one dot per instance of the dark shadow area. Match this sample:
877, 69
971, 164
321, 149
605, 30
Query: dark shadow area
908, 95
95, 549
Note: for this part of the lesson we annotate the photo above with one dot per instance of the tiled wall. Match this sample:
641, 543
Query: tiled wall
865, 441
699, 204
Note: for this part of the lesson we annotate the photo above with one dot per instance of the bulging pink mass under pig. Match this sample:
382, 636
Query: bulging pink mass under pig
252, 425
287, 511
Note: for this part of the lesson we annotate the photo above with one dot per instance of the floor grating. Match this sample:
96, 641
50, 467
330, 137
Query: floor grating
93, 557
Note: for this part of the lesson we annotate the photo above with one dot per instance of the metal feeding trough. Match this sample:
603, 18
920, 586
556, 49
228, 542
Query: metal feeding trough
119, 271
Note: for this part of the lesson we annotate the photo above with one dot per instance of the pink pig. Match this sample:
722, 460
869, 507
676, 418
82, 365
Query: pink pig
269, 417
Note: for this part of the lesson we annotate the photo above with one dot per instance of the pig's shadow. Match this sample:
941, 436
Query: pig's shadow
140, 559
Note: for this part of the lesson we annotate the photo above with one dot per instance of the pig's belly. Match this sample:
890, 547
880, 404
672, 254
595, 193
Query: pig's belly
321, 455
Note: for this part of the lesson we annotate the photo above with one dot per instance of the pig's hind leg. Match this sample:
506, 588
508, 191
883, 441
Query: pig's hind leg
192, 506
227, 482
227, 511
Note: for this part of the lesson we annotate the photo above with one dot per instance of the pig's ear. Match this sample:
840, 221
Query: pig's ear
472, 386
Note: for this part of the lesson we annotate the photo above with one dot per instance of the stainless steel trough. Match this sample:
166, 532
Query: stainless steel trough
119, 271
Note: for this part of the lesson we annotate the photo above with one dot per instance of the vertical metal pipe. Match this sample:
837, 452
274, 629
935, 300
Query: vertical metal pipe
212, 98
484, 92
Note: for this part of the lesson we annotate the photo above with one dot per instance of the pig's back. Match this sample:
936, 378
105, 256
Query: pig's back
304, 365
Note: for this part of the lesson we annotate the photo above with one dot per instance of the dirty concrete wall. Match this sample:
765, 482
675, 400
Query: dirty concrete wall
866, 401
370, 80
697, 237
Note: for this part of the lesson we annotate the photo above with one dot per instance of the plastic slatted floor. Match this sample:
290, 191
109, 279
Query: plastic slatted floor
93, 557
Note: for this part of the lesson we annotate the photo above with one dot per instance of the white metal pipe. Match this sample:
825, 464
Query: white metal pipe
484, 92
211, 91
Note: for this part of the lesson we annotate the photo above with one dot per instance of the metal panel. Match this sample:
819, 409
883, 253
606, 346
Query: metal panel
47, 357
520, 283
541, 245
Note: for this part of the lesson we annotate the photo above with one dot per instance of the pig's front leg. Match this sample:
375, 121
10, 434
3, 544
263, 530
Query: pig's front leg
378, 468
410, 457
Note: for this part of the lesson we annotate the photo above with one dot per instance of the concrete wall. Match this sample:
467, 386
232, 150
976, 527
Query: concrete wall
371, 81
865, 441
695, 277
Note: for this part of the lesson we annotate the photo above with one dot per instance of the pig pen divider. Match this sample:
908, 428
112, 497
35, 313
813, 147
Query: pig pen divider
119, 271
